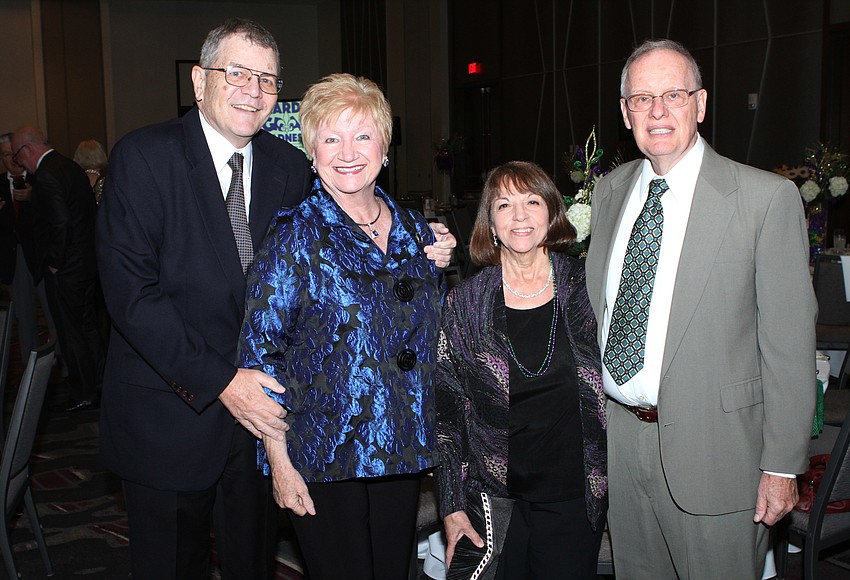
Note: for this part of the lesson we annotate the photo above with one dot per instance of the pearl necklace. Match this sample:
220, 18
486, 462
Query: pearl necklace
550, 349
533, 294
371, 223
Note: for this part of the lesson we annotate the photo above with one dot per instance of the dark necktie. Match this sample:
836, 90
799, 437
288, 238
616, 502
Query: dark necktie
624, 350
236, 210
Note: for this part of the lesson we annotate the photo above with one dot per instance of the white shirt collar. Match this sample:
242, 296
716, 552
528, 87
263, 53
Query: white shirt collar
222, 150
40, 159
681, 178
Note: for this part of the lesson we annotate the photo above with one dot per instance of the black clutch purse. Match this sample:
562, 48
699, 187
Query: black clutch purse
489, 517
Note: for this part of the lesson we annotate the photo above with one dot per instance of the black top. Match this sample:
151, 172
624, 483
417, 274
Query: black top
545, 461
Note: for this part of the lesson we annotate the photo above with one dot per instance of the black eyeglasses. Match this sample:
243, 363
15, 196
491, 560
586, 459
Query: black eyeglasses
672, 99
240, 76
15, 154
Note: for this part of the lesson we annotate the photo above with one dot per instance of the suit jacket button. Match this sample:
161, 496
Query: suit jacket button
406, 359
191, 397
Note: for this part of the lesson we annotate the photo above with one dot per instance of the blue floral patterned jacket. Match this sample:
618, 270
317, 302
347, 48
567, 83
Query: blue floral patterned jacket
351, 333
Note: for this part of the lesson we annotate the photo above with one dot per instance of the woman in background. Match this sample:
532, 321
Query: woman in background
520, 407
91, 156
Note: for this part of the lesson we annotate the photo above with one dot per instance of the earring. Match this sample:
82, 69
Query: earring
313, 169
386, 162
495, 240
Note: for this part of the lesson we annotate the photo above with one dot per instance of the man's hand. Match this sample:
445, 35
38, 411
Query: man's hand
22, 194
777, 496
249, 404
457, 525
441, 250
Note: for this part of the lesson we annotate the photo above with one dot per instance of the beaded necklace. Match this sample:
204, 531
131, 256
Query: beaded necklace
550, 349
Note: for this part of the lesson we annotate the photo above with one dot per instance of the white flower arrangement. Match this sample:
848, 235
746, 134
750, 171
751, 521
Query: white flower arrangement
809, 190
838, 185
585, 171
579, 216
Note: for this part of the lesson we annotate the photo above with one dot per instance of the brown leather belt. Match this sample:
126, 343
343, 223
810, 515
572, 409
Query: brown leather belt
645, 414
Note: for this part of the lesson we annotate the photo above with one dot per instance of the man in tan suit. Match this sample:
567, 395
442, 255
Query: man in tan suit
698, 276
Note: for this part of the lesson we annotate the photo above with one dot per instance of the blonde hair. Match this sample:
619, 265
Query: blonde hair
90, 154
326, 100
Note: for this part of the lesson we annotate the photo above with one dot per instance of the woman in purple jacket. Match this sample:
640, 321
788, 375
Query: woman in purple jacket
520, 406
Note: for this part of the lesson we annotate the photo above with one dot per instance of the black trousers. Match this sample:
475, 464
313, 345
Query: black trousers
170, 530
72, 298
363, 528
550, 541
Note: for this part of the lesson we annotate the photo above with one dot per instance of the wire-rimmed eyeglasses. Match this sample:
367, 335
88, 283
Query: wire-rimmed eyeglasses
16, 153
672, 99
239, 76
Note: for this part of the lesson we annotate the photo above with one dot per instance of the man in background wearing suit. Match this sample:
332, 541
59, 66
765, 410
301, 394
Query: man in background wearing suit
18, 258
63, 209
698, 273
179, 420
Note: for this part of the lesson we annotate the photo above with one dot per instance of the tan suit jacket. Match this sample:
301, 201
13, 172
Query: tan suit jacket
737, 388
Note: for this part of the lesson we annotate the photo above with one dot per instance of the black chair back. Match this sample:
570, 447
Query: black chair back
833, 307
17, 449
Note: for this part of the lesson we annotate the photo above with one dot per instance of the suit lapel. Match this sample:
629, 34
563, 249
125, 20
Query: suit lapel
268, 182
210, 203
711, 211
605, 232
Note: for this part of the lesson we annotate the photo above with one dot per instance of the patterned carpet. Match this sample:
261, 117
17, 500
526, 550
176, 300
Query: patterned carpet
79, 502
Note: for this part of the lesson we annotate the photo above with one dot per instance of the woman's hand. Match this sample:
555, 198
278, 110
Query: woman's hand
290, 491
457, 526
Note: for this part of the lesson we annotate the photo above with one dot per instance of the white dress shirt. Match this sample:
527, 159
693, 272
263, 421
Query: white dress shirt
222, 150
642, 388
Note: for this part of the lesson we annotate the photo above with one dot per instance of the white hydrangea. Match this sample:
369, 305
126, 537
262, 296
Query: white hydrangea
837, 186
809, 190
579, 216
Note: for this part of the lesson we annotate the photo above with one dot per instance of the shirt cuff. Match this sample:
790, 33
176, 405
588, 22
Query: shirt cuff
788, 475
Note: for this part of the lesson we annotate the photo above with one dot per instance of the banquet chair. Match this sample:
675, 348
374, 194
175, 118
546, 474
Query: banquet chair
820, 530
833, 325
427, 520
14, 465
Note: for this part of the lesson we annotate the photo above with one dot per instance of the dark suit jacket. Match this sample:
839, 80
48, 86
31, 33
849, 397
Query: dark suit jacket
737, 389
63, 210
8, 243
175, 291
16, 229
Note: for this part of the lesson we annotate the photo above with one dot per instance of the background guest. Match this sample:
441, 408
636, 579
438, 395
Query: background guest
698, 275
520, 409
343, 308
18, 257
91, 156
63, 228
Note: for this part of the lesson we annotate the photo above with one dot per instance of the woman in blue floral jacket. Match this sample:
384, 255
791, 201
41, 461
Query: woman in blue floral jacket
520, 407
343, 310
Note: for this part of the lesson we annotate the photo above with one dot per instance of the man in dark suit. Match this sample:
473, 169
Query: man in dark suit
18, 257
698, 274
179, 421
63, 209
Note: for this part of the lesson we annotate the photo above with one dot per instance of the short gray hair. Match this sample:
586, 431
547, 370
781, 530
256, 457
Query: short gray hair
6, 138
661, 44
247, 29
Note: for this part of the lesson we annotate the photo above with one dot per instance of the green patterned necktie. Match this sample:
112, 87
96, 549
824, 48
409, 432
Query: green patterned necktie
624, 351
